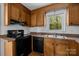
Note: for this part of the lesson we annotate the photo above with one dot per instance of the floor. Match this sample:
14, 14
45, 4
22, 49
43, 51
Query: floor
35, 54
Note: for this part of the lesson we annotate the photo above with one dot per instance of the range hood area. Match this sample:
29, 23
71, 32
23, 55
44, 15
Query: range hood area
14, 22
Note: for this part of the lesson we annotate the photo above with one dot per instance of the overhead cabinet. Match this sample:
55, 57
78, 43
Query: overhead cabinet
37, 18
16, 12
40, 18
73, 11
33, 19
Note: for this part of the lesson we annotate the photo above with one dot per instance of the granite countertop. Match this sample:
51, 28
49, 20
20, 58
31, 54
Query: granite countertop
61, 34
57, 36
46, 35
6, 38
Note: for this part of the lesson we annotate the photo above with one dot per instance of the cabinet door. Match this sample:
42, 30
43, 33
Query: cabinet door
60, 47
15, 12
9, 47
22, 16
73, 14
28, 19
72, 48
48, 47
40, 18
33, 19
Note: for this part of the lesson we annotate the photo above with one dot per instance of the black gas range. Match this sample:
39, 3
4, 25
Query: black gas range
23, 43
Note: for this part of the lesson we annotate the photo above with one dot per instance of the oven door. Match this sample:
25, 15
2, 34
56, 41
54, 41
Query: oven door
23, 46
20, 46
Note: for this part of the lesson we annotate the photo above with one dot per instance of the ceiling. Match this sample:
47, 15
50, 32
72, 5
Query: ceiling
33, 6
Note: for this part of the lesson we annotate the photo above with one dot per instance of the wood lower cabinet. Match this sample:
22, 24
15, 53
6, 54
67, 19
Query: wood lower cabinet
9, 48
72, 47
60, 47
49, 47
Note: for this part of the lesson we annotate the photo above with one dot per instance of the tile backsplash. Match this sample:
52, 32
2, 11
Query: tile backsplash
69, 29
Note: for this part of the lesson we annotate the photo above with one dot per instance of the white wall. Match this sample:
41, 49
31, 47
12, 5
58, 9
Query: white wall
0, 19
2, 47
0, 29
13, 27
68, 29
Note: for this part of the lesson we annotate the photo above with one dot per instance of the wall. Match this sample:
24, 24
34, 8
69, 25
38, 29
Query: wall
0, 18
0, 29
68, 29
11, 27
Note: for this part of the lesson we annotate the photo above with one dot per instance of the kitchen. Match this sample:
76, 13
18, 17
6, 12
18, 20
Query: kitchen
46, 29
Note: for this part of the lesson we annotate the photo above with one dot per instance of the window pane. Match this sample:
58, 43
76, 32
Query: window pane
59, 25
55, 22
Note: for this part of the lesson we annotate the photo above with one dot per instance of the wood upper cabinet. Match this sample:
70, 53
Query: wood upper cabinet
11, 12
28, 19
25, 16
37, 18
33, 19
40, 18
22, 15
73, 14
9, 48
15, 12
49, 47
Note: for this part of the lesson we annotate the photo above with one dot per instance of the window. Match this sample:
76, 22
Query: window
56, 20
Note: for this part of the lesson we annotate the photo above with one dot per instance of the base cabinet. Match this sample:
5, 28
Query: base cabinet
60, 47
49, 47
72, 48
9, 48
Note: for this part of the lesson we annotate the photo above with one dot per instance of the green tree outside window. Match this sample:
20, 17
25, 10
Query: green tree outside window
55, 22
